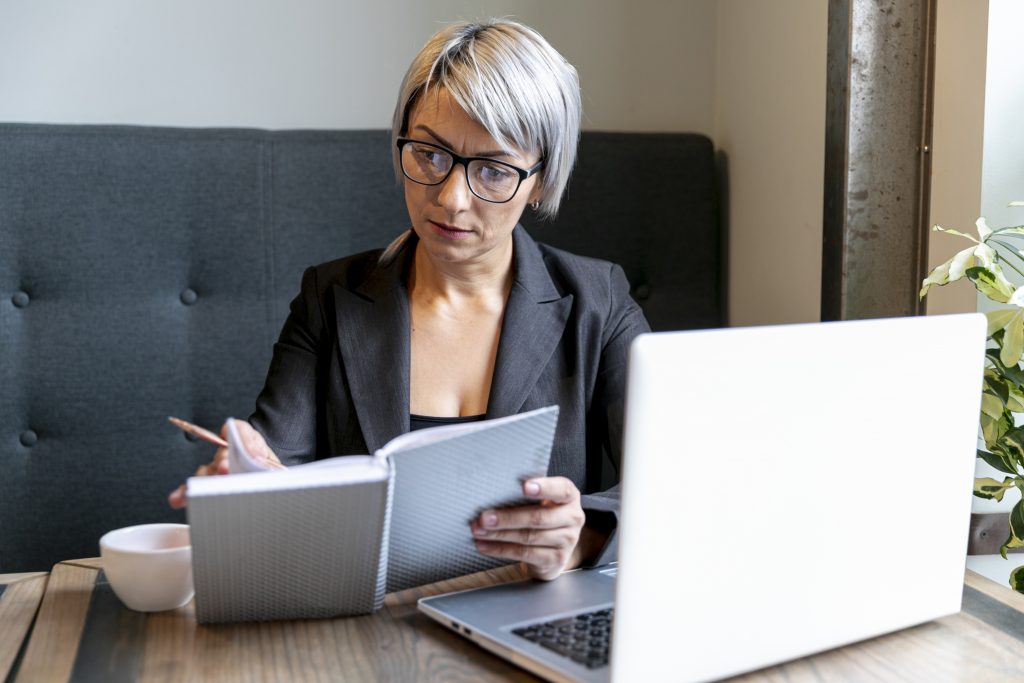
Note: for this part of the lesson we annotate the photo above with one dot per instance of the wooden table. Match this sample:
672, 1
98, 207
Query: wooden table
20, 595
82, 633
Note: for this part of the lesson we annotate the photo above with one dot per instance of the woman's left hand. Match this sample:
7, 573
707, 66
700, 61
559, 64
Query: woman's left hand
543, 536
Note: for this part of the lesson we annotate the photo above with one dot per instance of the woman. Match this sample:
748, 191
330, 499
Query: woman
464, 316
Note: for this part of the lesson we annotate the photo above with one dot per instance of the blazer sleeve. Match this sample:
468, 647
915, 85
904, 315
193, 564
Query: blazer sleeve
607, 414
288, 406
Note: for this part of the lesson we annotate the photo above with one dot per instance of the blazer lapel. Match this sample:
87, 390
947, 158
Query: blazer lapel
373, 336
535, 316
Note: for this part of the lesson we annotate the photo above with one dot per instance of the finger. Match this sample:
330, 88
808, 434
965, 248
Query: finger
176, 499
541, 562
565, 537
532, 517
257, 445
556, 489
251, 439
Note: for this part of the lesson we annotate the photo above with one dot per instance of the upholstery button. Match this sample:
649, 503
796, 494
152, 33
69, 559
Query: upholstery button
189, 296
29, 438
20, 299
642, 292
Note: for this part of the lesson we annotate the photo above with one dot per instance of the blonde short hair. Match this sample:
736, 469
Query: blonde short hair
507, 77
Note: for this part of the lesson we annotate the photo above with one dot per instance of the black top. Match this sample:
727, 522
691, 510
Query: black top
424, 421
338, 382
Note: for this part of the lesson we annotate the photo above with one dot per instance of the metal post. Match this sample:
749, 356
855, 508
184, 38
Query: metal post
877, 164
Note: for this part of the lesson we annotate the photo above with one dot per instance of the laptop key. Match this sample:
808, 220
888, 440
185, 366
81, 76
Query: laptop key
528, 633
557, 647
583, 637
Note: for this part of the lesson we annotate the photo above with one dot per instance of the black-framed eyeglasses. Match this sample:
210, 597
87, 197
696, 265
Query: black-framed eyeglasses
489, 179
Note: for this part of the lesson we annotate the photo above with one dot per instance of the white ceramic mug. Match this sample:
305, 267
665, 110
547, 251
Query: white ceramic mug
149, 566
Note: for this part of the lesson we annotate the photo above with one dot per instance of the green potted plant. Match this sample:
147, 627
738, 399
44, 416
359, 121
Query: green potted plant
1002, 396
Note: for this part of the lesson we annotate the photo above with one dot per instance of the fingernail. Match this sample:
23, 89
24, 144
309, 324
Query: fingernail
532, 488
480, 531
490, 519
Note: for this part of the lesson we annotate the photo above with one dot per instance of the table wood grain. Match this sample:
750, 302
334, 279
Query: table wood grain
84, 634
20, 595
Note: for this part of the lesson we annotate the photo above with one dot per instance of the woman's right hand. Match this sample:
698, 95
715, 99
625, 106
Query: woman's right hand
254, 443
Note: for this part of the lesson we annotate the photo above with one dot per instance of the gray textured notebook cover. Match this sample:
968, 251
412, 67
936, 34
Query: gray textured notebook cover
309, 543
292, 553
440, 488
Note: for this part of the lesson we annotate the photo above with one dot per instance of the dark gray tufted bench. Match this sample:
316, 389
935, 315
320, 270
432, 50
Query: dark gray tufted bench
145, 272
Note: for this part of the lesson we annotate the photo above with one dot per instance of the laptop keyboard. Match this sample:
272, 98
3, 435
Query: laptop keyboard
583, 638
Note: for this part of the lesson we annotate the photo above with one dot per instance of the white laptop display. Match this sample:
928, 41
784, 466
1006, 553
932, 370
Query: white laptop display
786, 490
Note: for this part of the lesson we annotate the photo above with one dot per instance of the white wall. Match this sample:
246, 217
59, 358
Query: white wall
770, 126
770, 116
749, 74
957, 133
1002, 181
1003, 161
644, 65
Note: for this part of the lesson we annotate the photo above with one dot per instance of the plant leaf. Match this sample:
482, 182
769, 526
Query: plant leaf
1017, 577
1017, 521
983, 230
989, 431
1013, 343
1016, 204
1013, 373
938, 276
997, 320
1016, 539
997, 461
998, 387
965, 259
991, 405
988, 283
1015, 403
949, 231
994, 429
990, 489
1011, 231
1011, 446
997, 270
1011, 542
955, 268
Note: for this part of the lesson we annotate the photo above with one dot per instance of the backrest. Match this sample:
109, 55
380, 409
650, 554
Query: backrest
145, 272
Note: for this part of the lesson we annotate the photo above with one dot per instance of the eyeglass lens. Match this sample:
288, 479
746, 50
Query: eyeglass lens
488, 180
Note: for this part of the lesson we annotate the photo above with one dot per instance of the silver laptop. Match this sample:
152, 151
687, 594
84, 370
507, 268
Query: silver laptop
786, 490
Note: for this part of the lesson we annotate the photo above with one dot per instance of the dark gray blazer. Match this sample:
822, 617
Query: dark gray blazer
338, 383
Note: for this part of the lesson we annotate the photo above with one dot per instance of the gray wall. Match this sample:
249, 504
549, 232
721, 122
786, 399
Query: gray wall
644, 65
748, 73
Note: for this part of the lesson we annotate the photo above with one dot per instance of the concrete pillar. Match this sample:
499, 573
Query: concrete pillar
877, 164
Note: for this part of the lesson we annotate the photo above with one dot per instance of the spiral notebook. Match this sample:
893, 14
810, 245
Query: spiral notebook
329, 538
